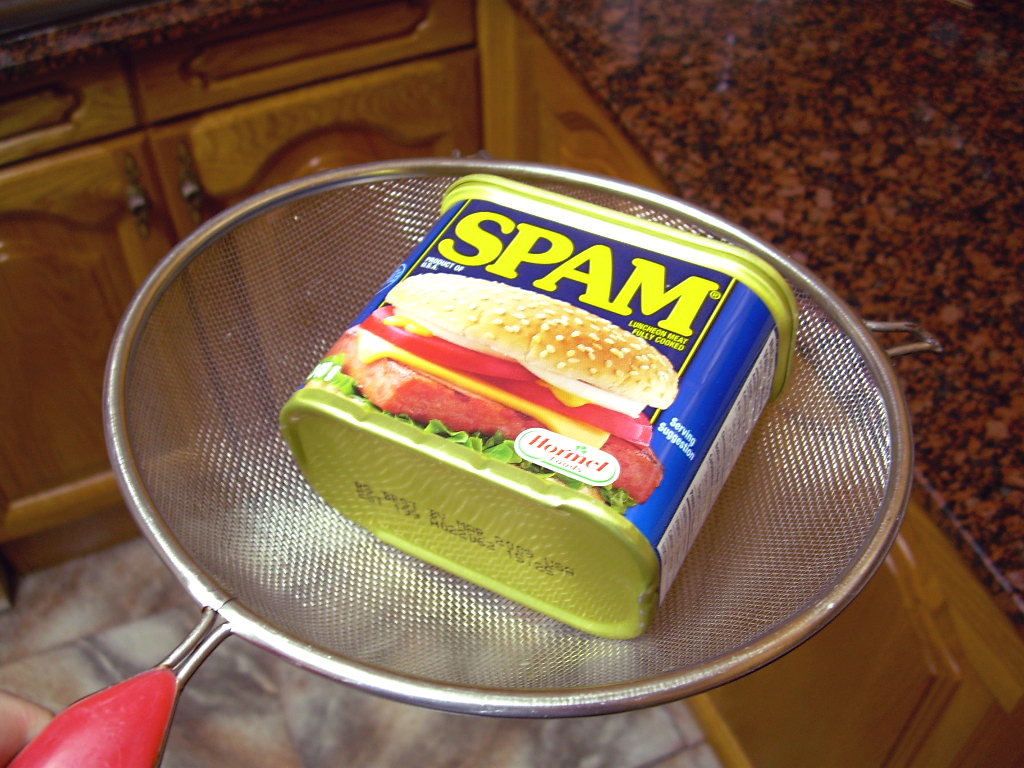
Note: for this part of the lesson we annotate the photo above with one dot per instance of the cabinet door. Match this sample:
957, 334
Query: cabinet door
60, 109
922, 670
78, 232
860, 693
287, 51
536, 109
423, 108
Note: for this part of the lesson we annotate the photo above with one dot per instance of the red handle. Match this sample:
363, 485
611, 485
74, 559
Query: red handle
123, 726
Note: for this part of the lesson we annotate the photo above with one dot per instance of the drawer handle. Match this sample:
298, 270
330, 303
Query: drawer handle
189, 186
139, 203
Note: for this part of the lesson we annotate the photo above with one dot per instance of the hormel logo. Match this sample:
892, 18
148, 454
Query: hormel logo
567, 456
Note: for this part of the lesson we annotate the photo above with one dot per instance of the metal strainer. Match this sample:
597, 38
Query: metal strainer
232, 320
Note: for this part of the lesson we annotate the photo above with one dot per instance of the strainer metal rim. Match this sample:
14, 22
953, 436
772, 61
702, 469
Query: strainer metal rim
653, 690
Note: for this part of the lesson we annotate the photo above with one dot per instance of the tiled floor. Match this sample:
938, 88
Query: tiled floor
94, 621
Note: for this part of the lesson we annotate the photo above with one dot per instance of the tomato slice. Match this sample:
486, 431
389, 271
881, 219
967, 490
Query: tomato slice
446, 353
632, 429
507, 375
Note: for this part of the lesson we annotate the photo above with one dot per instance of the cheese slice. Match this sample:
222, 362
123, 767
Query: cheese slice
565, 396
408, 324
373, 348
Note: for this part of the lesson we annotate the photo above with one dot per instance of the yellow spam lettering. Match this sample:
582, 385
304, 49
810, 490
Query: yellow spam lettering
645, 289
485, 244
373, 348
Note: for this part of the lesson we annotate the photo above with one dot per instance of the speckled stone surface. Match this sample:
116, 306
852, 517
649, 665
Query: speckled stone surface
881, 144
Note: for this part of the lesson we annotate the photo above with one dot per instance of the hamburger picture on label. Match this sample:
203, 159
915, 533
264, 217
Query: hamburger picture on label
519, 376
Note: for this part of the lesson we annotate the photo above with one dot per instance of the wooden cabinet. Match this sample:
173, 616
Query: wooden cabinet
326, 101
61, 109
340, 38
536, 110
832, 703
78, 233
923, 669
423, 108
104, 167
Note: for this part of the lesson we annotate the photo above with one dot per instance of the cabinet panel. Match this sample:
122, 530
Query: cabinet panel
922, 670
852, 694
535, 109
424, 108
72, 252
213, 71
62, 109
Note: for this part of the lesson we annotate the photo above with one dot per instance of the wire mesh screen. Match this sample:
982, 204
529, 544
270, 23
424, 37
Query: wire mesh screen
242, 314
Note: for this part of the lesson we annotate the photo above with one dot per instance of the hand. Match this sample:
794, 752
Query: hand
20, 722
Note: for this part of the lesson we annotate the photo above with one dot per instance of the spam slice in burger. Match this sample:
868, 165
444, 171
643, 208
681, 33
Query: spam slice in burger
489, 360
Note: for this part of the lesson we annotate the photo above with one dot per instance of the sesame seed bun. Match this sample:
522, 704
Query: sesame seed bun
557, 341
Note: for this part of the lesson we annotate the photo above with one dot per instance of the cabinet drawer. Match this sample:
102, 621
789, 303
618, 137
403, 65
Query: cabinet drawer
427, 107
65, 108
218, 70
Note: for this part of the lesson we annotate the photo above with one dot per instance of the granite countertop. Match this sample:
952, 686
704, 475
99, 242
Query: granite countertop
879, 143
882, 145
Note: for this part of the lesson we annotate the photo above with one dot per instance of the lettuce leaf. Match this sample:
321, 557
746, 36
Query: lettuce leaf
496, 446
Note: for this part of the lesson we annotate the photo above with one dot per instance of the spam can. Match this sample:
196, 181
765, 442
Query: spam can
545, 399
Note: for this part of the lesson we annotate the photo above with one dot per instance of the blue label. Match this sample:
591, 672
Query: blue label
708, 324
683, 433
668, 302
